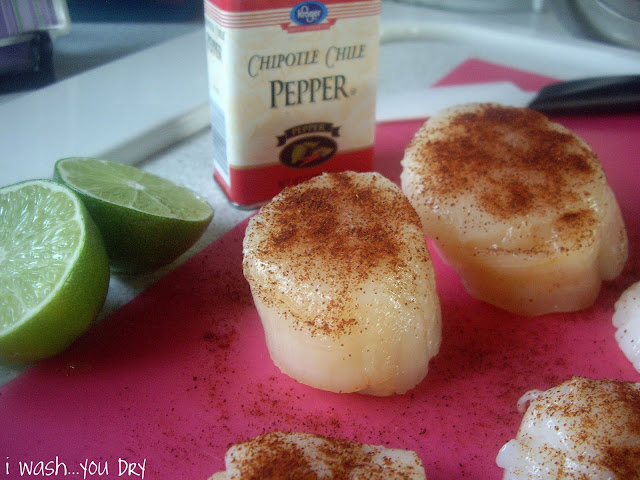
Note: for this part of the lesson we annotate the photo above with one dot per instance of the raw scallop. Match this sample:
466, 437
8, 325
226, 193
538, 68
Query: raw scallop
581, 429
344, 285
627, 321
305, 456
518, 205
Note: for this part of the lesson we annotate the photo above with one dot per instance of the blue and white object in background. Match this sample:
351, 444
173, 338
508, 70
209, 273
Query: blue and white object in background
27, 28
24, 17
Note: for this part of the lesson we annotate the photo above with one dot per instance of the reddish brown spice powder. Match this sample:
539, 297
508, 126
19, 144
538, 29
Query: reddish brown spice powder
338, 230
277, 456
515, 160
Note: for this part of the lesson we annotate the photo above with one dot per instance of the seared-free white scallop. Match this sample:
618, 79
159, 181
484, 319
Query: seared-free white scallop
518, 205
300, 456
344, 285
581, 429
626, 319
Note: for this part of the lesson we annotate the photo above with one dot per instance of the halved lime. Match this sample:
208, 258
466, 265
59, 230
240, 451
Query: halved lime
146, 221
54, 271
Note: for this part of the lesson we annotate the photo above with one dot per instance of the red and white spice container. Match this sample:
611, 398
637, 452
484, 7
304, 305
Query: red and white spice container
292, 88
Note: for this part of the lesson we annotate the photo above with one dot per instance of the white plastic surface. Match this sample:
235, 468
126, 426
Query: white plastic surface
417, 104
125, 110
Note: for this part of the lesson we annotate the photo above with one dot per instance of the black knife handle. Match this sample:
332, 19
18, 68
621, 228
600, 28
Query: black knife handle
611, 94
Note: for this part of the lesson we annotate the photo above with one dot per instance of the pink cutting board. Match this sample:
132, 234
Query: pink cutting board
181, 372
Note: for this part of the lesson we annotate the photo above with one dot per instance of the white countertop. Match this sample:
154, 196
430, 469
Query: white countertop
151, 107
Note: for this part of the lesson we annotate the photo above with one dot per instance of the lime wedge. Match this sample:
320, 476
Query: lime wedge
54, 271
146, 221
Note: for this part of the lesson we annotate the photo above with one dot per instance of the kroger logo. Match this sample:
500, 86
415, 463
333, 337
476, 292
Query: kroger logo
308, 13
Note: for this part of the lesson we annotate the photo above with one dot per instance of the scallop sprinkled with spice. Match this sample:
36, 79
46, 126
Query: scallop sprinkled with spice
518, 205
344, 285
581, 429
306, 456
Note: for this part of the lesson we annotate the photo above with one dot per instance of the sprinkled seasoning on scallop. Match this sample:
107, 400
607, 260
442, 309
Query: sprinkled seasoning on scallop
518, 205
344, 285
581, 429
306, 456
